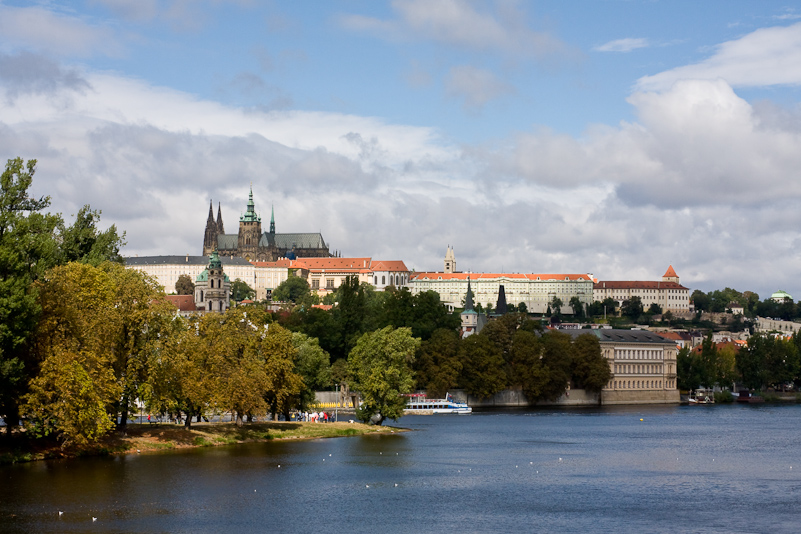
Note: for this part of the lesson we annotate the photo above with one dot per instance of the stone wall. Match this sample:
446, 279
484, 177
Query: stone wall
657, 396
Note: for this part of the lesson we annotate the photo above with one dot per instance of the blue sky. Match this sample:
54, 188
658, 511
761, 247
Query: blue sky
611, 137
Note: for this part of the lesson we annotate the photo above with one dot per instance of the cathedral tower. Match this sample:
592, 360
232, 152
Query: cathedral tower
249, 231
450, 261
210, 236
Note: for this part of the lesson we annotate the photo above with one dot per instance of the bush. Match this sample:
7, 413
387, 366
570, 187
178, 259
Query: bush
723, 396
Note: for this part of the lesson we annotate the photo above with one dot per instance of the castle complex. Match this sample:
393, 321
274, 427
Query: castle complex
253, 244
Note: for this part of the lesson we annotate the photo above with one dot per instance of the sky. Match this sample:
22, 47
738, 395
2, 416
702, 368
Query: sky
611, 137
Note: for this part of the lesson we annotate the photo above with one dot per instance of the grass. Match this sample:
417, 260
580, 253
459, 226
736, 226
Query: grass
154, 438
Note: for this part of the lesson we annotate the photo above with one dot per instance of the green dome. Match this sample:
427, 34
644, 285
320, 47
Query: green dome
781, 295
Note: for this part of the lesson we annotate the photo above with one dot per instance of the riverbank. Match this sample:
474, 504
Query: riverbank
147, 438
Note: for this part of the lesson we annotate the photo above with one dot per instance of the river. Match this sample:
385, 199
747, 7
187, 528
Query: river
708, 469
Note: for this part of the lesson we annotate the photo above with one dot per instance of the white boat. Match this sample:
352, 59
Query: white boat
702, 397
418, 404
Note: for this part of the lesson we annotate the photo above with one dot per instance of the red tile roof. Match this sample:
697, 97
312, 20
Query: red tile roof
391, 266
492, 276
670, 273
183, 302
336, 263
636, 284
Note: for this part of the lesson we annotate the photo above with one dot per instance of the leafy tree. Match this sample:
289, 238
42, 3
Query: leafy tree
632, 308
84, 242
528, 370
577, 306
241, 291
294, 289
351, 312
184, 285
590, 369
75, 388
557, 358
701, 301
27, 250
313, 365
655, 309
556, 306
522, 308
438, 363
483, 373
380, 369
610, 305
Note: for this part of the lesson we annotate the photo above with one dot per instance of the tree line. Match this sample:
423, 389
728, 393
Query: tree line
767, 361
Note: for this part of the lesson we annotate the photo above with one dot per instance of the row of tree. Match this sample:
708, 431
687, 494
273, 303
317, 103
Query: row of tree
766, 361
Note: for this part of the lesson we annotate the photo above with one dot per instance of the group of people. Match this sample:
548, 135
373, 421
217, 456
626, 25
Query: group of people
316, 417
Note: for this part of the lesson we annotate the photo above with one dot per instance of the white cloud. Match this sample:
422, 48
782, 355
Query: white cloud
459, 24
474, 86
623, 45
39, 29
768, 56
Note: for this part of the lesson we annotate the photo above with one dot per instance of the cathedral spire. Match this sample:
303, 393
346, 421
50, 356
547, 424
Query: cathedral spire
220, 227
211, 211
250, 214
272, 220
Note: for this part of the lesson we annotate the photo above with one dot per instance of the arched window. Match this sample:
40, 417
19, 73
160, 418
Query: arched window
383, 280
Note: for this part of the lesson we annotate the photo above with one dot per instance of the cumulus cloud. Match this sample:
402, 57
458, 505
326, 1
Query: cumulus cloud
459, 24
623, 45
768, 56
475, 86
40, 29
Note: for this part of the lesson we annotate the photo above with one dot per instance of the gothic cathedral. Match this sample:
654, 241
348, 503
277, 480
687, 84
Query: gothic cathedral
253, 245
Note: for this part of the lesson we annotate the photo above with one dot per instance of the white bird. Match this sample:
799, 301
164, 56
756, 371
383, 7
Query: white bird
254, 491
94, 519
279, 466
329, 455
397, 485
560, 459
60, 513
367, 485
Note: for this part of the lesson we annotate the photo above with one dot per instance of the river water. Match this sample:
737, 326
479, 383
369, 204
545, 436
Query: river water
704, 469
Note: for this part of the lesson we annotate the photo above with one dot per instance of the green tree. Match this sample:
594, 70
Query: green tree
655, 309
556, 306
632, 308
294, 289
700, 300
27, 250
84, 242
184, 285
522, 308
577, 306
241, 291
483, 373
351, 312
380, 369
313, 365
590, 369
557, 358
438, 363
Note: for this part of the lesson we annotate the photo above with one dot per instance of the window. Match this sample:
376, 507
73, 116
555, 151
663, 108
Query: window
383, 280
329, 283
315, 284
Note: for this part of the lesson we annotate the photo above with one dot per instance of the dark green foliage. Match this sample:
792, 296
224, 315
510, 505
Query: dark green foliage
438, 364
184, 285
590, 369
239, 291
483, 373
84, 242
632, 308
294, 289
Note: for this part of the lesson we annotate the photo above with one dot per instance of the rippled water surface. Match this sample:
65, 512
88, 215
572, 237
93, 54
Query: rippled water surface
702, 469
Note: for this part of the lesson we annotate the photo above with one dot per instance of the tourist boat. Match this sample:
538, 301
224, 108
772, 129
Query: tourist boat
746, 396
418, 404
701, 396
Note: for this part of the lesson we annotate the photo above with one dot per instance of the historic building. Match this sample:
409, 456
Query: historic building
167, 269
643, 366
213, 287
253, 244
669, 294
536, 291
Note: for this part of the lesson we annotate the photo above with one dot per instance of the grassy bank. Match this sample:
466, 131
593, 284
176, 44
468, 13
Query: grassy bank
147, 438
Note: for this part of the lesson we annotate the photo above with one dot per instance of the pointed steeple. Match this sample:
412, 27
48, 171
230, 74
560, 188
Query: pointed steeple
468, 299
250, 214
220, 227
272, 220
211, 212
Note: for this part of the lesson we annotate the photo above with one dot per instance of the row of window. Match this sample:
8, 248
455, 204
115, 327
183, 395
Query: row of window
637, 369
641, 384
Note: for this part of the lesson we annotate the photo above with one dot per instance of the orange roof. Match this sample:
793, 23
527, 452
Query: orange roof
676, 336
670, 273
336, 263
182, 302
636, 284
392, 266
494, 276
326, 307
289, 264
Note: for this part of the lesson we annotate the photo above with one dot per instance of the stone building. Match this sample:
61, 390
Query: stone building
212, 287
253, 244
668, 293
